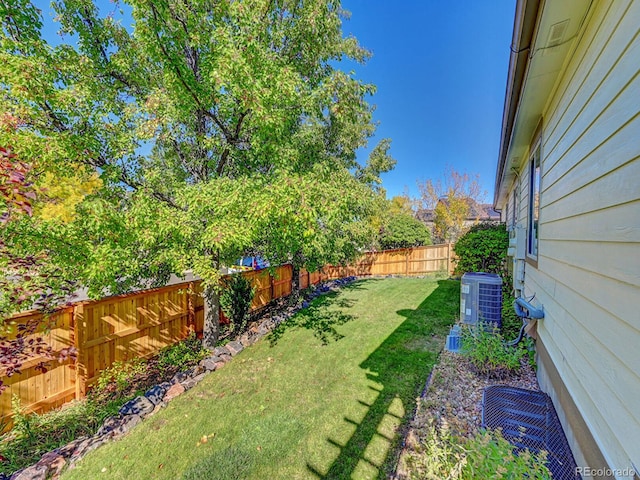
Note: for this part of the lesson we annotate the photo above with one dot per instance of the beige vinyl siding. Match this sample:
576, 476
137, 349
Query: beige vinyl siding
588, 275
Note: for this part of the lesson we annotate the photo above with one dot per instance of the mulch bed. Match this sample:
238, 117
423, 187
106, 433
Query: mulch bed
453, 395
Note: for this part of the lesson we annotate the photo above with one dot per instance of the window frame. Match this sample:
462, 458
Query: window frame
533, 208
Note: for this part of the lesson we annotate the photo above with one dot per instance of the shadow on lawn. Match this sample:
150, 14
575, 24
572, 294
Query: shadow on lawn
322, 316
400, 365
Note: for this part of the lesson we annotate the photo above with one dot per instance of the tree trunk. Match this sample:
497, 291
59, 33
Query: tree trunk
295, 278
295, 283
211, 330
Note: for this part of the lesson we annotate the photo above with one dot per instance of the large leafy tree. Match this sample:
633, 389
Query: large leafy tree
403, 230
451, 202
214, 128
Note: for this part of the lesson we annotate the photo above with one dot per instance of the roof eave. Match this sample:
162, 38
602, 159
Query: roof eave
524, 26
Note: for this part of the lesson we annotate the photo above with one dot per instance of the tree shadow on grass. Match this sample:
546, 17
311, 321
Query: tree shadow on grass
322, 317
397, 370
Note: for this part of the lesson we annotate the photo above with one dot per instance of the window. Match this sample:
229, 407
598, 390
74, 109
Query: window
534, 204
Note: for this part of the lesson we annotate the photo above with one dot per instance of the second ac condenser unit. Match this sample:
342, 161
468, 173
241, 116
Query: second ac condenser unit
481, 298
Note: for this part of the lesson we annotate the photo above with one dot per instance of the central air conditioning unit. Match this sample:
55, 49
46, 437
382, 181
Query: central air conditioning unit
481, 298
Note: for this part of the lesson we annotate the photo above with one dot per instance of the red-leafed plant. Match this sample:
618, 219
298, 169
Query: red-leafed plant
23, 279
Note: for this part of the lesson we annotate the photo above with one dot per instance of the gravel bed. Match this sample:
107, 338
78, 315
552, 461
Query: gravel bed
453, 395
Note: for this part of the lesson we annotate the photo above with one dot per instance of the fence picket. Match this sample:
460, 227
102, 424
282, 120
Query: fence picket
141, 323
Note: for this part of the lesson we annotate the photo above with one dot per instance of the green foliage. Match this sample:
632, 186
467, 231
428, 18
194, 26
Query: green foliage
116, 380
403, 230
395, 334
182, 355
485, 455
485, 348
34, 435
451, 202
236, 300
511, 323
249, 134
482, 249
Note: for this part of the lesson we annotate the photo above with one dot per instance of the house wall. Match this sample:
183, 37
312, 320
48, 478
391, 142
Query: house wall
588, 272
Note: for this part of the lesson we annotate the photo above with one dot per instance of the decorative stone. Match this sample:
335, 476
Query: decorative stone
157, 408
99, 441
116, 427
209, 363
110, 424
182, 376
68, 450
219, 365
192, 382
245, 340
234, 348
138, 406
175, 390
220, 351
197, 370
155, 394
34, 472
54, 462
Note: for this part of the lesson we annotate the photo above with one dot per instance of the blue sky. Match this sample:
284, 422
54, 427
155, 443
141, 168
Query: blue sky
441, 72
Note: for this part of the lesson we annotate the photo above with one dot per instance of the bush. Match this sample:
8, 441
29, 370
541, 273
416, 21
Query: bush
511, 323
182, 355
116, 381
404, 231
487, 352
485, 455
482, 249
33, 435
236, 301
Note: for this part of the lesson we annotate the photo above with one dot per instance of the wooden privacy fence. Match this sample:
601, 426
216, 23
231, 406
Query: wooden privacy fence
140, 324
402, 261
115, 329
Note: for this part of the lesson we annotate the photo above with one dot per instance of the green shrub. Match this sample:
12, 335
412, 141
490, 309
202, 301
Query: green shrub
182, 355
511, 323
34, 435
486, 455
485, 348
482, 249
403, 230
236, 299
114, 381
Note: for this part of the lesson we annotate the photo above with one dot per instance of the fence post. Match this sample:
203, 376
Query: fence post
406, 266
191, 311
448, 258
79, 333
271, 286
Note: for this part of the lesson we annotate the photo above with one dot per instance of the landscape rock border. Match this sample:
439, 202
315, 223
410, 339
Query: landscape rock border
130, 414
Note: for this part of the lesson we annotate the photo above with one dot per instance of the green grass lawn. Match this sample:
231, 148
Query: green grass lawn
324, 397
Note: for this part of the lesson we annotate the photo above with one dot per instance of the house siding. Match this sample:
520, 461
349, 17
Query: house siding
588, 270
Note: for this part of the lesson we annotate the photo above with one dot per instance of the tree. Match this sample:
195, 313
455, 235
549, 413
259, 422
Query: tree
451, 202
215, 128
24, 279
483, 248
403, 230
401, 204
